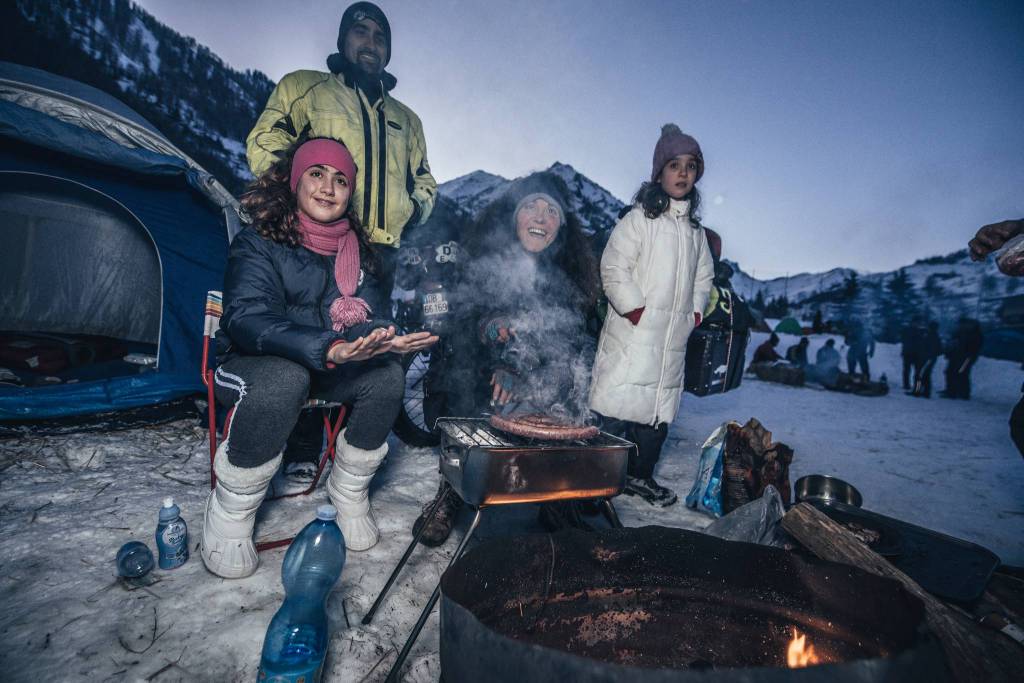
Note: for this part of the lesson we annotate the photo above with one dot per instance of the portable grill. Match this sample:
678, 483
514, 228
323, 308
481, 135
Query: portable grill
487, 467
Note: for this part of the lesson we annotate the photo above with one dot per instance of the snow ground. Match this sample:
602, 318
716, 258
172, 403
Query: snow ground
67, 503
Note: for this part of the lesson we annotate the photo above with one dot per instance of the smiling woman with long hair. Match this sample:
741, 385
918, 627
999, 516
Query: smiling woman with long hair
526, 302
300, 296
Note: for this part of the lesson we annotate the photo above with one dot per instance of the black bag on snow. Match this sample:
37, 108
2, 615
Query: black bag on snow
716, 351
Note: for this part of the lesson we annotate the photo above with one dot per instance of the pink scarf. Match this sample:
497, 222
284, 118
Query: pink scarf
339, 240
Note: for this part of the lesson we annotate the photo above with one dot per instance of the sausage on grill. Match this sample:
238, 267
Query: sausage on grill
537, 426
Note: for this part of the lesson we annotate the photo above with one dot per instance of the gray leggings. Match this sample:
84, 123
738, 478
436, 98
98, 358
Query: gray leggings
268, 393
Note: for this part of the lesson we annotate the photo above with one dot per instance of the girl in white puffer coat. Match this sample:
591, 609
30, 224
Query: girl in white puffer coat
656, 272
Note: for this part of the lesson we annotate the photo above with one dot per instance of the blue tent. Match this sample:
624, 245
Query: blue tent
110, 233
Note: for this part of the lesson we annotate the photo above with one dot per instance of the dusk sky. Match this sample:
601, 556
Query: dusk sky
860, 134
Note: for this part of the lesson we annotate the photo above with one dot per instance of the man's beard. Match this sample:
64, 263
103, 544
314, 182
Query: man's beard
368, 81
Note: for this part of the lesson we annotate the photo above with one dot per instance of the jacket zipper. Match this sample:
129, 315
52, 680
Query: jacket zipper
367, 159
671, 324
382, 159
327, 285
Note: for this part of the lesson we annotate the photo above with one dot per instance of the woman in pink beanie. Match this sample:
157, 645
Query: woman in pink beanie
656, 272
301, 298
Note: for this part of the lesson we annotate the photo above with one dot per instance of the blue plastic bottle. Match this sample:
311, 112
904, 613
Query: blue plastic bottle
171, 536
296, 641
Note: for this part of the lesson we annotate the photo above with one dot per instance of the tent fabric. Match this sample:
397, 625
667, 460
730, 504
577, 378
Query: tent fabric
789, 326
184, 224
37, 212
92, 118
18, 77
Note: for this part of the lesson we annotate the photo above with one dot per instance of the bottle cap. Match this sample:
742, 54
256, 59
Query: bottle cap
326, 512
168, 502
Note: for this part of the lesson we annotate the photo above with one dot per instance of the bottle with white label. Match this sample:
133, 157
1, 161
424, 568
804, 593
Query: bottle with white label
171, 536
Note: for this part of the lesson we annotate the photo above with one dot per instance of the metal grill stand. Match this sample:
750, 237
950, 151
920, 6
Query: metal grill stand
487, 468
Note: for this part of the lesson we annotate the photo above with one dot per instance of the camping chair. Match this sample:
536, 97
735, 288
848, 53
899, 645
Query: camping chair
214, 311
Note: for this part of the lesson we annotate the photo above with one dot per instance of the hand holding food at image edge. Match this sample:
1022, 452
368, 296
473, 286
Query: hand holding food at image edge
996, 236
504, 383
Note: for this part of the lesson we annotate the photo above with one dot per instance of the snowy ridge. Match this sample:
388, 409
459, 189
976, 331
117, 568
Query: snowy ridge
474, 191
200, 103
596, 208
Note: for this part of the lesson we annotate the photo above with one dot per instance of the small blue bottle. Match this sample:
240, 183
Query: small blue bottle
296, 642
134, 560
171, 536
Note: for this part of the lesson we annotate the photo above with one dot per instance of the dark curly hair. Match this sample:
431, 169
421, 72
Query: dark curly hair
655, 201
270, 206
571, 251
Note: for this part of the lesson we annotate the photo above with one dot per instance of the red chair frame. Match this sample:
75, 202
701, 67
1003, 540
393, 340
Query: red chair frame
214, 310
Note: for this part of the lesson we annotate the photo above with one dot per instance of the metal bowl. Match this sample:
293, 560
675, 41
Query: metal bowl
826, 489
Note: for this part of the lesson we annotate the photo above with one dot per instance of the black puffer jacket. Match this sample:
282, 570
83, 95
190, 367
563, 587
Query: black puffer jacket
277, 302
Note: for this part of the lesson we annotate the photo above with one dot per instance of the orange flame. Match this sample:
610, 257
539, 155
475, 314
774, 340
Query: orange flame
800, 653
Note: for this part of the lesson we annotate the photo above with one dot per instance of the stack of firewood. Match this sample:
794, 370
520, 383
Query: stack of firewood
751, 462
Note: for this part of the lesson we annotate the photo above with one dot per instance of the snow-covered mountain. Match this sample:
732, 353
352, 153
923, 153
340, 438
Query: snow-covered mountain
200, 103
595, 207
794, 288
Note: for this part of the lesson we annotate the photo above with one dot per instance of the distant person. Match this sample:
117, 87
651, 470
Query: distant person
657, 272
797, 353
929, 351
861, 345
988, 239
825, 370
766, 353
961, 354
911, 340
818, 324
352, 102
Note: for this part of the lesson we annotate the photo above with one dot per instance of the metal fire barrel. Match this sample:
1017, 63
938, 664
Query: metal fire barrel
657, 605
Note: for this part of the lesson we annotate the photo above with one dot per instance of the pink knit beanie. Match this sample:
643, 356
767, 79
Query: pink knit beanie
323, 151
672, 143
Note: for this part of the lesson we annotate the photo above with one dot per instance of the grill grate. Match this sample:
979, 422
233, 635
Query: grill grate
470, 432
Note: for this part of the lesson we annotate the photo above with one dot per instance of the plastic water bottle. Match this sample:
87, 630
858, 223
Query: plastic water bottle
134, 560
171, 536
296, 642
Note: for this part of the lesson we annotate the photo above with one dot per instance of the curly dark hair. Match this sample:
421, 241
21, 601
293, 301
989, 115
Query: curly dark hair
270, 206
571, 251
655, 201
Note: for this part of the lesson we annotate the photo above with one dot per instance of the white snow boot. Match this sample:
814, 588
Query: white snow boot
347, 486
228, 549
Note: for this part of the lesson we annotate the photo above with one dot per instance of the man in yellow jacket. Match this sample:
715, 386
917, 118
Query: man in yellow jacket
394, 187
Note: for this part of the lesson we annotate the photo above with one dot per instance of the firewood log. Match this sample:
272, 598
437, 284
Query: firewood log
972, 653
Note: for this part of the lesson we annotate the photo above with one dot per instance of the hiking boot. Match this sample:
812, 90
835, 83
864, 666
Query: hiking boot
440, 526
563, 514
650, 490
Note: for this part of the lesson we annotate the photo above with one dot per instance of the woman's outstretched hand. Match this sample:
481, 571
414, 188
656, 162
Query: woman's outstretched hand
413, 342
375, 343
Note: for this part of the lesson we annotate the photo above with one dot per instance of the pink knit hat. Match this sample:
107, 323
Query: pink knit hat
323, 151
672, 143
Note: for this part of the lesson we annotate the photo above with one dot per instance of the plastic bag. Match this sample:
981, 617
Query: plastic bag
759, 521
706, 493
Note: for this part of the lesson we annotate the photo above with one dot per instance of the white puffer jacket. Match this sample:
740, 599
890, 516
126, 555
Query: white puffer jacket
664, 265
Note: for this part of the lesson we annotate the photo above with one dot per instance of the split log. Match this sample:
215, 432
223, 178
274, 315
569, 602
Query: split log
972, 654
